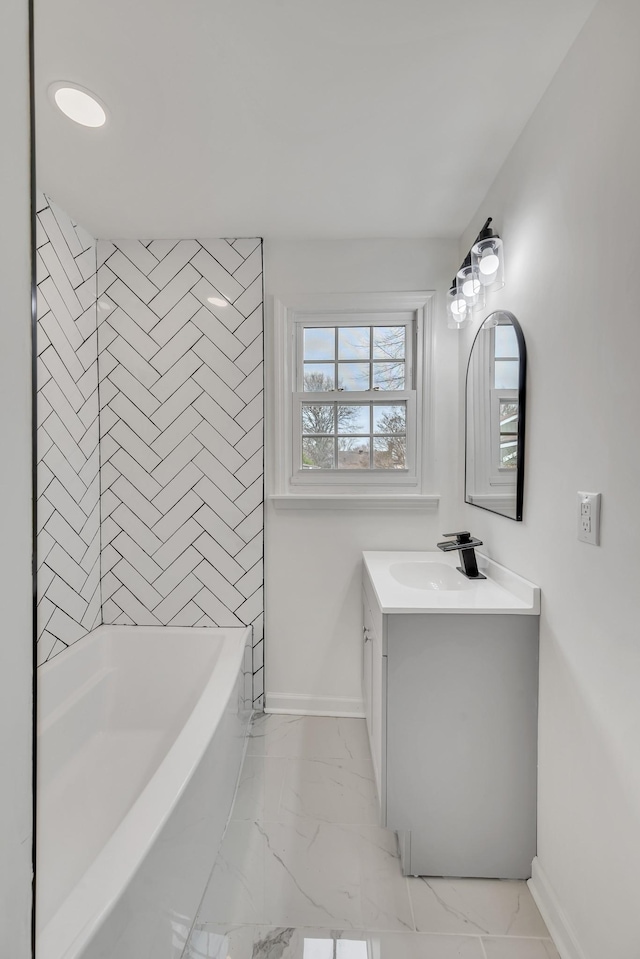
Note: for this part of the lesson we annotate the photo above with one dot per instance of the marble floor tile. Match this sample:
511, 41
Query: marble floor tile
235, 891
308, 873
490, 907
260, 788
385, 895
340, 791
514, 948
212, 941
303, 856
303, 873
264, 942
309, 737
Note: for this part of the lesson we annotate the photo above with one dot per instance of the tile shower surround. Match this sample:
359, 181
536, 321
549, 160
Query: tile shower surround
179, 479
68, 481
181, 434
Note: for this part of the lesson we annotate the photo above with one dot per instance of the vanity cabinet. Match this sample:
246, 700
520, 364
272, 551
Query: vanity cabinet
374, 677
451, 710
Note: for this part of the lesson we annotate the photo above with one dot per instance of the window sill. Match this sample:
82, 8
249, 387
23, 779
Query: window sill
358, 501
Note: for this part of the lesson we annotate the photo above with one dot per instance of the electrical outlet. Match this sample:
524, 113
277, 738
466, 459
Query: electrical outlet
589, 518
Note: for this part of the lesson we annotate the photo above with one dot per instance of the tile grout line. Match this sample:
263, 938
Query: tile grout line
386, 931
516, 938
285, 779
413, 914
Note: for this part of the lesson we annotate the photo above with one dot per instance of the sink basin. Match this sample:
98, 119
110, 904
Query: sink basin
421, 575
427, 581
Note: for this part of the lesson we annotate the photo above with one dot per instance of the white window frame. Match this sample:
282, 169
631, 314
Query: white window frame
500, 475
292, 486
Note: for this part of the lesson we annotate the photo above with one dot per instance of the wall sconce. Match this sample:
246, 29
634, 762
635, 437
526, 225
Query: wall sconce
481, 272
457, 309
469, 286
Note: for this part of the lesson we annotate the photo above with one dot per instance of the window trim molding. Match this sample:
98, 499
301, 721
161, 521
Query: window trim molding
281, 475
356, 501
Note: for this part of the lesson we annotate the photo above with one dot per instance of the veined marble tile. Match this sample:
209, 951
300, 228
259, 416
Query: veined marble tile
220, 942
490, 907
305, 873
309, 737
512, 948
340, 791
235, 891
308, 873
263, 942
384, 890
260, 788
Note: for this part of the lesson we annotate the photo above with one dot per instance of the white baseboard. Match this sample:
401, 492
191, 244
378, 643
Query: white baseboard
561, 930
302, 704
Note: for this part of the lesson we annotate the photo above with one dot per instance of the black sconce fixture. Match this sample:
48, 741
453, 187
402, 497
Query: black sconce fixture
481, 272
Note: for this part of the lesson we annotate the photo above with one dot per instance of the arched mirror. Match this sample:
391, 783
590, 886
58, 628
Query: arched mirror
495, 411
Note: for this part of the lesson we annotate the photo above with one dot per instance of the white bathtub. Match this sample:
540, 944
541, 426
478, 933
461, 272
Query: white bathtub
141, 735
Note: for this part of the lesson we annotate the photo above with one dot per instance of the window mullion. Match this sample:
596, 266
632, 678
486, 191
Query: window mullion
351, 397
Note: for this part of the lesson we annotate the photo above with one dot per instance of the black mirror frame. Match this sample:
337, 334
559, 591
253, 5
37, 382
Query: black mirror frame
522, 405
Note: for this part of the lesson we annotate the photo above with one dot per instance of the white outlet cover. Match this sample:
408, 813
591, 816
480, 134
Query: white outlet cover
589, 518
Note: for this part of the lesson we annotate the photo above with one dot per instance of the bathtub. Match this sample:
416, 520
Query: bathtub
140, 739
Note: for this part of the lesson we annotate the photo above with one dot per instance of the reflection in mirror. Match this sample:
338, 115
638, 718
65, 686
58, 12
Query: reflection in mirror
495, 408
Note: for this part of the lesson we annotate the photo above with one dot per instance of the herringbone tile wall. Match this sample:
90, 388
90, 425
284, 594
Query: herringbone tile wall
68, 485
181, 393
162, 464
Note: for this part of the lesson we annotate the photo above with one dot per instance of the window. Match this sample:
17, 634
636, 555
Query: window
508, 426
352, 381
359, 431
505, 357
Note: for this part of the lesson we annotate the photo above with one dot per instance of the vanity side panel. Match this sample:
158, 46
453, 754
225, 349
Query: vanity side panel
370, 598
462, 742
374, 688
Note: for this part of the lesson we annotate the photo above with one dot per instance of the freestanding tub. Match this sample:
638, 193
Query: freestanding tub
141, 734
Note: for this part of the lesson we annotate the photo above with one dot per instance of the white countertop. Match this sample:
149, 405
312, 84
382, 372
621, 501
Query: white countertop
502, 592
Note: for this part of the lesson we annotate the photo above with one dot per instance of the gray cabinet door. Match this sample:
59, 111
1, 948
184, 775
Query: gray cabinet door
462, 742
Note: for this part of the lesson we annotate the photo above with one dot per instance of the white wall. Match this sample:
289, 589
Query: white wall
15, 489
567, 206
313, 558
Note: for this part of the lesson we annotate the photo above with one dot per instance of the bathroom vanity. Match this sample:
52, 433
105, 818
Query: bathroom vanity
450, 677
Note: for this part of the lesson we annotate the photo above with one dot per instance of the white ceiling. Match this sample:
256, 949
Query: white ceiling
284, 118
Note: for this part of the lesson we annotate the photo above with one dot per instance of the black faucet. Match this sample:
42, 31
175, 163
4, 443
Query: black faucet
465, 543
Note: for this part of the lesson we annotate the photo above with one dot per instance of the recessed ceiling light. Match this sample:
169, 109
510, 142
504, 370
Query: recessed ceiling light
216, 301
78, 104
